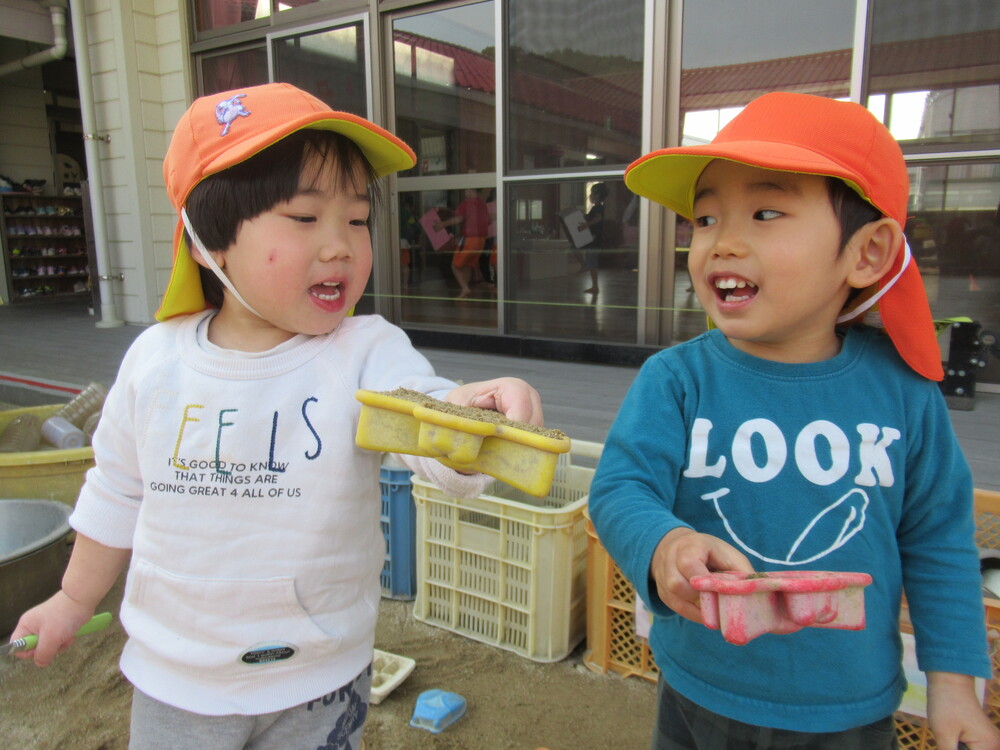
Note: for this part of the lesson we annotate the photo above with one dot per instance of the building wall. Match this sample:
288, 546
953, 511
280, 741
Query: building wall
140, 88
141, 74
25, 152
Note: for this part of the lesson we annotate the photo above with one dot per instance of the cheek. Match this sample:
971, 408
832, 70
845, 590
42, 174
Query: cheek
365, 260
695, 257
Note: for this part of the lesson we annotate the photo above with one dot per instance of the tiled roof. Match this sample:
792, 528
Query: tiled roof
613, 100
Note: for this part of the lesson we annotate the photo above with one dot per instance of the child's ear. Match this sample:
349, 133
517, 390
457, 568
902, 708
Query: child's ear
220, 258
874, 247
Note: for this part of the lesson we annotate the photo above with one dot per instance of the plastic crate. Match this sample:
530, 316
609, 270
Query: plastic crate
508, 569
912, 731
398, 521
612, 644
47, 474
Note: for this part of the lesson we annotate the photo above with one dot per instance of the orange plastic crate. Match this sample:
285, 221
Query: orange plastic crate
912, 731
611, 640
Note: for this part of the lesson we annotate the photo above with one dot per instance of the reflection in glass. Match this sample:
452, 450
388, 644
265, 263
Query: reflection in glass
330, 64
954, 231
448, 257
445, 94
247, 67
933, 70
290, 4
575, 83
573, 261
734, 52
217, 14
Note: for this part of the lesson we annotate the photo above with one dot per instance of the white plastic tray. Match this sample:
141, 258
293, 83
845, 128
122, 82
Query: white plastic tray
388, 672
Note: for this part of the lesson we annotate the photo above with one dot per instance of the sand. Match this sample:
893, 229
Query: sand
81, 701
470, 412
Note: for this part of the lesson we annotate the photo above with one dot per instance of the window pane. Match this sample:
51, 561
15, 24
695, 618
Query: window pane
575, 83
217, 14
572, 271
330, 64
445, 89
435, 263
734, 52
954, 231
290, 4
225, 72
934, 70
689, 318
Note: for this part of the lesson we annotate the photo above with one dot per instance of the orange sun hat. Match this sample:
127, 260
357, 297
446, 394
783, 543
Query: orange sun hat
819, 136
221, 130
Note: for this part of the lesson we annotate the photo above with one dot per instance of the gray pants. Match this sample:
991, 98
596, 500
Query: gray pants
330, 722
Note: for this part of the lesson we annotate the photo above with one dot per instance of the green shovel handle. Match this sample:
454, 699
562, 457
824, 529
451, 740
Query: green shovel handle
97, 622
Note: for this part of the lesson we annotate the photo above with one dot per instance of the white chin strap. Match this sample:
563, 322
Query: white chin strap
870, 302
213, 266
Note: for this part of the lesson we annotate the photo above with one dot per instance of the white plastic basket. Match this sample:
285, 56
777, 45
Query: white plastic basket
507, 568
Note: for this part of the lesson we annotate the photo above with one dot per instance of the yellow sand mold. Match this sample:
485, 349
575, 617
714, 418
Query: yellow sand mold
520, 457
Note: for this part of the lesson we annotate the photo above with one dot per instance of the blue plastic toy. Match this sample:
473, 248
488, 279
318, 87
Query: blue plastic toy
436, 710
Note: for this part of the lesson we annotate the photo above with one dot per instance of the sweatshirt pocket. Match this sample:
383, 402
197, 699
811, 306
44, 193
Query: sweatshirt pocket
210, 623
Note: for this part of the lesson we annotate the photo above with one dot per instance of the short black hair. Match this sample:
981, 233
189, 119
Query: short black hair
601, 188
851, 210
219, 204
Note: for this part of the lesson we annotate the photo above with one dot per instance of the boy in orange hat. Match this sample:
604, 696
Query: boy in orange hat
805, 432
226, 467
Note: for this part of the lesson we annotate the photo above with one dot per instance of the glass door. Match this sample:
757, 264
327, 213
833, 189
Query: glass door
444, 99
328, 61
331, 62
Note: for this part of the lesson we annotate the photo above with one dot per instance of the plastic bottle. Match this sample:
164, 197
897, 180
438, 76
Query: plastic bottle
85, 403
90, 426
59, 433
23, 433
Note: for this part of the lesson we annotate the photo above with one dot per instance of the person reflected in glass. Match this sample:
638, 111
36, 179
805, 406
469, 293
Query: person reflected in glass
409, 237
474, 217
594, 221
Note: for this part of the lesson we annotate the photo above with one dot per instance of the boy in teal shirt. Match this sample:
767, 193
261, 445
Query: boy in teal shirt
804, 433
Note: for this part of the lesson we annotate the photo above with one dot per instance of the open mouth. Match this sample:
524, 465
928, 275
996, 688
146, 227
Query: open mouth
733, 289
328, 291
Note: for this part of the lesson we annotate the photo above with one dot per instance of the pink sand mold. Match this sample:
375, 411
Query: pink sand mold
746, 605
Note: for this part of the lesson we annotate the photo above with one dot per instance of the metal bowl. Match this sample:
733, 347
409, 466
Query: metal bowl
33, 555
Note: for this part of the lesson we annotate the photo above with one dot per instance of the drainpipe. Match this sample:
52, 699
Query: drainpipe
57, 10
109, 317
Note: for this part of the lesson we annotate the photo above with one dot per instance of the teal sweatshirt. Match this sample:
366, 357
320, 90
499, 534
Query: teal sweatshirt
849, 464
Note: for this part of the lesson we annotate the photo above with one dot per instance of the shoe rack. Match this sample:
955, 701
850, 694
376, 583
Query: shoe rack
44, 247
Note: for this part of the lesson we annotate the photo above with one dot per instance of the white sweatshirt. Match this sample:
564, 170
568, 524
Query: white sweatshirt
252, 517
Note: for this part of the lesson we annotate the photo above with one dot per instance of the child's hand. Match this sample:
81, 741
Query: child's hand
684, 553
512, 397
955, 715
55, 622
